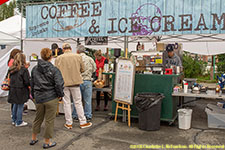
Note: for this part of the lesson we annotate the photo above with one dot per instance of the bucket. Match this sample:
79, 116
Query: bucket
184, 118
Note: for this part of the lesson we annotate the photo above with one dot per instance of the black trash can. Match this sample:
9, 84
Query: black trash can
149, 107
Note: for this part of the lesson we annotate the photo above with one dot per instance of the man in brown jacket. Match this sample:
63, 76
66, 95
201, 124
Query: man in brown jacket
71, 67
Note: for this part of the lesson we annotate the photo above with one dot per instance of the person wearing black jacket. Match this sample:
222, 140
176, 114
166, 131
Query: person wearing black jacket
19, 91
47, 89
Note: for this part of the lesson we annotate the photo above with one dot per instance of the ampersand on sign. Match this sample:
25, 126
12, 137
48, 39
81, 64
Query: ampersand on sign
94, 29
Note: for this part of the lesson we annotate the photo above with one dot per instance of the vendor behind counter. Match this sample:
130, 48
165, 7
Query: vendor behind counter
170, 58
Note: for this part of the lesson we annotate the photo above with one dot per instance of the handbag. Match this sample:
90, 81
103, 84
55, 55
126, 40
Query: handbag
6, 83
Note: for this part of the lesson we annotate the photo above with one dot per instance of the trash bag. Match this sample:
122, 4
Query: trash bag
145, 101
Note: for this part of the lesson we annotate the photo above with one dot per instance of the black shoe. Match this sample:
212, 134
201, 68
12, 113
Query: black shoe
97, 108
89, 119
45, 146
106, 108
75, 119
32, 142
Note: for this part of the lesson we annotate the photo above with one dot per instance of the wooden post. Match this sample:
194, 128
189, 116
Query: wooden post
117, 105
129, 115
126, 55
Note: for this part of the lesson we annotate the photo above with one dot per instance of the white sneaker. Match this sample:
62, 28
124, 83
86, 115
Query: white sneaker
13, 123
22, 124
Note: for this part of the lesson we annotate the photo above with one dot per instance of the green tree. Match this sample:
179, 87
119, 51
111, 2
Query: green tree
7, 11
221, 64
192, 66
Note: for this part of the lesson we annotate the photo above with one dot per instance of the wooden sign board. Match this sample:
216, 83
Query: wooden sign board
124, 81
102, 40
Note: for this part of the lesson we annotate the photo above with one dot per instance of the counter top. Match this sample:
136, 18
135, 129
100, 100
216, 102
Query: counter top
105, 89
111, 73
208, 94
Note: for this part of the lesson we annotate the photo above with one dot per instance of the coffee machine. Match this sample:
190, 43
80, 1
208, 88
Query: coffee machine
117, 54
149, 62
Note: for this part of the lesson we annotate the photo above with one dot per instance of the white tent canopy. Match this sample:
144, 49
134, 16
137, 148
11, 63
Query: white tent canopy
204, 44
7, 39
212, 44
10, 30
205, 48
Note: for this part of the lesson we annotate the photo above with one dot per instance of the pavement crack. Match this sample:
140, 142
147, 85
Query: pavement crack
86, 133
117, 140
196, 136
198, 133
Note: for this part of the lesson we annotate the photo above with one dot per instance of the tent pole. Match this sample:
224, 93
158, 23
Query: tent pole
125, 44
214, 67
21, 30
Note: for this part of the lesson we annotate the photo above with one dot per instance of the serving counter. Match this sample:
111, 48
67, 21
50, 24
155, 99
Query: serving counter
157, 84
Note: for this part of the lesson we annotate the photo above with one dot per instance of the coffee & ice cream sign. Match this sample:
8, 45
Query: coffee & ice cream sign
125, 18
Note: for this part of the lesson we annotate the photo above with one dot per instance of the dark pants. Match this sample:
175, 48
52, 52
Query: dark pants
106, 98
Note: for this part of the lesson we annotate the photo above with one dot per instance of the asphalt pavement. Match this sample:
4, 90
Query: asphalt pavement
105, 134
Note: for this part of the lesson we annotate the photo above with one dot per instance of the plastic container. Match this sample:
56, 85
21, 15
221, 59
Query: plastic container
185, 87
184, 118
216, 116
149, 107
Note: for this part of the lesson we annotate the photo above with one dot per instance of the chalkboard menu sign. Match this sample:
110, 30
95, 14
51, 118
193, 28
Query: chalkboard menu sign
101, 40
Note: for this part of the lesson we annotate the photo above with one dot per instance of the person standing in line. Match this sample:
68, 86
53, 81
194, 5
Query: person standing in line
86, 86
10, 63
12, 55
19, 88
100, 61
47, 89
56, 51
71, 67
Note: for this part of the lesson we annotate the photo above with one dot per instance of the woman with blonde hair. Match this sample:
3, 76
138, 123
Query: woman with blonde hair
19, 88
10, 63
12, 55
46, 88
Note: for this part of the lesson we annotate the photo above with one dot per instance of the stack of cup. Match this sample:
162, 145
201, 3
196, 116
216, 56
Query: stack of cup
185, 87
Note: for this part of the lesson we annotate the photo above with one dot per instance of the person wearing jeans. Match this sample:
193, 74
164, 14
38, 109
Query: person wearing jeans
86, 91
17, 112
10, 63
19, 91
86, 86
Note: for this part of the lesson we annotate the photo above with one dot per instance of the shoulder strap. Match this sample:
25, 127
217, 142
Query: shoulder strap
7, 75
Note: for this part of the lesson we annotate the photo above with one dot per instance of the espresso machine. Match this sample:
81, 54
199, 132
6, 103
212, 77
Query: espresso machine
117, 54
149, 62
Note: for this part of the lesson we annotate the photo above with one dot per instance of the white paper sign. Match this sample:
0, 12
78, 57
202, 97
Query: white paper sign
124, 82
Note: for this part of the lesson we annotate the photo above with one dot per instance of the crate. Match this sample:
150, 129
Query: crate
216, 116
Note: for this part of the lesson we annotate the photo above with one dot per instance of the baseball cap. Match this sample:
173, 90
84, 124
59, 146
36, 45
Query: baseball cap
54, 46
66, 46
169, 48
